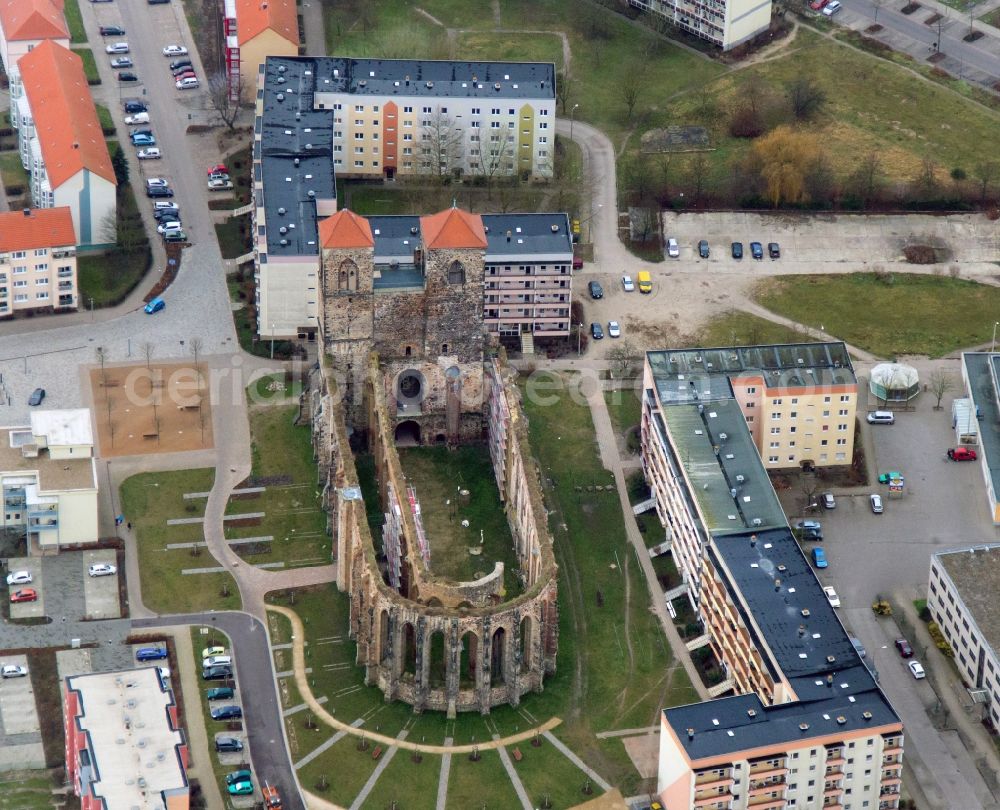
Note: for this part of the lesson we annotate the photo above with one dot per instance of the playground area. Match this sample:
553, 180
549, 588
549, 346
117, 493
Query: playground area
157, 408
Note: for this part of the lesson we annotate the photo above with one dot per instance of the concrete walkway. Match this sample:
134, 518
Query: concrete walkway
515, 780
442, 797
383, 763
302, 683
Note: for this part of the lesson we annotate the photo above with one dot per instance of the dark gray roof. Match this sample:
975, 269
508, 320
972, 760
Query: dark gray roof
698, 374
724, 726
975, 574
395, 237
530, 235
983, 370
296, 156
426, 77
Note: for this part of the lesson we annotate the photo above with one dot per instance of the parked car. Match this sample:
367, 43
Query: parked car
673, 249
102, 570
578, 263
118, 62
774, 250
157, 2
161, 182
216, 673
167, 214
829, 502
218, 661
152, 153
169, 225
876, 503
111, 31
223, 744
596, 332
881, 418
627, 284
859, 648
175, 236
819, 558
832, 8
220, 693
831, 596
595, 290
816, 5
220, 184
154, 306
24, 595
703, 248
179, 63
614, 329
135, 106
150, 653
36, 397
143, 140
737, 250
162, 205
159, 192
962, 454
645, 282
244, 788
809, 525
116, 47
218, 168
185, 73
757, 250
19, 578
905, 650
138, 118
133, 133
125, 76
915, 667
13, 671
187, 84
175, 50
208, 652
230, 712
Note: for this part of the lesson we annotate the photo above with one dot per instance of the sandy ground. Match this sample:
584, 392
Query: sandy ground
159, 409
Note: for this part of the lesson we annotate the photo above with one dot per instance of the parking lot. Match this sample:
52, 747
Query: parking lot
17, 701
65, 590
101, 593
27, 610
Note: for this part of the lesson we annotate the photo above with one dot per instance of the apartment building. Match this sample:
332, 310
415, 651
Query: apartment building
61, 142
48, 476
807, 725
726, 23
124, 747
37, 261
961, 597
25, 24
253, 30
974, 416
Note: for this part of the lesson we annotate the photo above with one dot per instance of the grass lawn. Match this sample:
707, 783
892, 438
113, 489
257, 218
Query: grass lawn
437, 473
624, 407
27, 790
412, 785
547, 774
342, 768
232, 242
89, 65
12, 173
292, 512
503, 47
107, 278
902, 314
272, 389
992, 18
149, 500
106, 121
71, 10
735, 328
482, 784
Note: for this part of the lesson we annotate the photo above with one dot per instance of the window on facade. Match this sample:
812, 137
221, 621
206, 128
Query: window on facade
456, 273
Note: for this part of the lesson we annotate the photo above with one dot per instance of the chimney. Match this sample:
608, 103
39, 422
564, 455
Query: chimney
829, 681
508, 236
753, 537
26, 212
76, 146
777, 584
690, 733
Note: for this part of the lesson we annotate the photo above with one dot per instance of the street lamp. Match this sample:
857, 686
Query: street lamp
272, 340
579, 334
993, 345
572, 114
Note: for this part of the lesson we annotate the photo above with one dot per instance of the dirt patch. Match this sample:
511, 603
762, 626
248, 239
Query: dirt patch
933, 19
926, 254
142, 410
873, 29
972, 36
938, 57
909, 8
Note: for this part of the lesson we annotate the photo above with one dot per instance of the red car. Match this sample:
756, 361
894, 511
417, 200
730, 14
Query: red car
816, 5
219, 168
962, 454
24, 595
905, 650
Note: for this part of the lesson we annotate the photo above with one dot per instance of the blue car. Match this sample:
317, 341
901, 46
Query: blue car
150, 653
819, 558
143, 140
155, 306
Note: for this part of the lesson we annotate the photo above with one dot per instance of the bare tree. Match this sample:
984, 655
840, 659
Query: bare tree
805, 97
986, 173
867, 178
102, 358
196, 344
698, 177
492, 155
441, 146
631, 86
108, 229
623, 357
221, 91
940, 382
564, 89
878, 4
809, 485
147, 350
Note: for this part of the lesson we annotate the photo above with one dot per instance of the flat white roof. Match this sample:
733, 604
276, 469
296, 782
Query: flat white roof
62, 428
133, 748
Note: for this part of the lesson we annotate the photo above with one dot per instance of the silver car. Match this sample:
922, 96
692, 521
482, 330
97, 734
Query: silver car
876, 501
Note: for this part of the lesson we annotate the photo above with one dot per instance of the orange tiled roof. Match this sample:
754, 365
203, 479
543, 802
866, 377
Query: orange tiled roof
256, 16
453, 228
64, 115
32, 19
345, 229
40, 227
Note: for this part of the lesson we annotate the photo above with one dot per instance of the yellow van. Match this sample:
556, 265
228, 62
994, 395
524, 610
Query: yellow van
645, 281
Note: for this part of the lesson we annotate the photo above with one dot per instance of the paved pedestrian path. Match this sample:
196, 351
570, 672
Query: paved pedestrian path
442, 797
383, 763
515, 780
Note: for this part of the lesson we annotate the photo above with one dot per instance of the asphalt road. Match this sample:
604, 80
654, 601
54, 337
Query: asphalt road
262, 717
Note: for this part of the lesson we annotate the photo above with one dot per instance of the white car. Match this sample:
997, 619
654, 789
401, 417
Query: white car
876, 501
832, 8
218, 184
159, 205
19, 578
116, 47
614, 329
167, 227
915, 668
13, 671
673, 249
150, 153
121, 62
831, 596
102, 570
190, 83
137, 118
156, 182
175, 50
627, 284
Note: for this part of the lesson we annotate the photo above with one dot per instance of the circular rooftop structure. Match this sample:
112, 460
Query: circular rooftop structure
894, 382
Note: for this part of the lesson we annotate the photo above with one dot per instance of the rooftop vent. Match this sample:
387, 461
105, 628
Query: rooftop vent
690, 733
723, 436
281, 68
310, 193
831, 659
802, 630
283, 242
777, 584
281, 211
803, 726
753, 540
841, 720
751, 712
429, 85
282, 229
362, 83
281, 80
829, 680
413, 230
296, 161
757, 522
739, 478
26, 212
782, 568
866, 715
555, 228
805, 613
496, 86
280, 97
